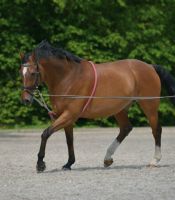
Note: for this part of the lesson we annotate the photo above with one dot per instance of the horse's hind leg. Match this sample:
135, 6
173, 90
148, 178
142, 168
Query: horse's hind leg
69, 139
150, 109
125, 128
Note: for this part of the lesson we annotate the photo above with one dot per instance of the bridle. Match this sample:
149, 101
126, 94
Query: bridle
31, 89
34, 91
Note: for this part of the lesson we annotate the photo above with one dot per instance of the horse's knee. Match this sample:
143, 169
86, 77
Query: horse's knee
46, 133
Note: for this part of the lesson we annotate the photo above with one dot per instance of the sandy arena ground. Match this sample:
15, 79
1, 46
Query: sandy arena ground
128, 178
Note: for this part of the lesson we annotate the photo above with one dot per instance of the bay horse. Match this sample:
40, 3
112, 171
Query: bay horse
67, 74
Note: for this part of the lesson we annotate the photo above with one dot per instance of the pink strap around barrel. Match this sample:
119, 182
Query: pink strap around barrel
94, 87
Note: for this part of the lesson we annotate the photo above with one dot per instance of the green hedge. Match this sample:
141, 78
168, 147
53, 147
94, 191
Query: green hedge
99, 30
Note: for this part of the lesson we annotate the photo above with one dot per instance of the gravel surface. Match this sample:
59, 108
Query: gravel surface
128, 178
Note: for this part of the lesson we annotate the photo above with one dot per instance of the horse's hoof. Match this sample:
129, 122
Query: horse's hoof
65, 167
40, 167
151, 165
107, 163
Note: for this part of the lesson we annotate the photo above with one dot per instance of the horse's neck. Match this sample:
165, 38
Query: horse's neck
59, 77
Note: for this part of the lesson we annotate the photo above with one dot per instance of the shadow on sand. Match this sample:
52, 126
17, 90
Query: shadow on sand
120, 167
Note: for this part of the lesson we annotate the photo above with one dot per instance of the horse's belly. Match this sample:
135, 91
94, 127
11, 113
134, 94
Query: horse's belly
105, 108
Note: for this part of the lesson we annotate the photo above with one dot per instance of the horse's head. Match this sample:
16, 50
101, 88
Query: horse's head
30, 77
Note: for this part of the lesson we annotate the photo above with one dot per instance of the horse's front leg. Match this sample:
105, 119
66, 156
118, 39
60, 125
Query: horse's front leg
70, 145
41, 166
64, 120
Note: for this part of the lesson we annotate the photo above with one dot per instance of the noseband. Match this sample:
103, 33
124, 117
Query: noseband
37, 74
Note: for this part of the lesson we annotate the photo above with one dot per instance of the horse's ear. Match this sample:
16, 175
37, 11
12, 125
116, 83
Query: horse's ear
21, 55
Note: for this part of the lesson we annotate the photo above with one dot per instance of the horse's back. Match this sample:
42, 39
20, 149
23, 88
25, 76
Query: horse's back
133, 75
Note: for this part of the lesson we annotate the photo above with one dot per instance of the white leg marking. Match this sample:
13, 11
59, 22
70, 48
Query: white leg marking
111, 149
157, 156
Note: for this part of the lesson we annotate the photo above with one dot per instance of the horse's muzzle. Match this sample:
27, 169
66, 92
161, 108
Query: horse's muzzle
26, 98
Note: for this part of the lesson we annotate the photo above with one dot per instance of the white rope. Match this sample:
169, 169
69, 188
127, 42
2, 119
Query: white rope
108, 97
41, 101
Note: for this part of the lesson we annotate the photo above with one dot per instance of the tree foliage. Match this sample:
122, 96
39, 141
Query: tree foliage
99, 30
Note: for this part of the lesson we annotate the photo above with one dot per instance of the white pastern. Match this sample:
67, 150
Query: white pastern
157, 156
111, 149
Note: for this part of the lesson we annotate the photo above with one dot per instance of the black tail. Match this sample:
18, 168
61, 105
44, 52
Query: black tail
166, 79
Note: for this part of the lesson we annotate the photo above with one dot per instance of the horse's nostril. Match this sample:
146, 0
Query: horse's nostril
26, 101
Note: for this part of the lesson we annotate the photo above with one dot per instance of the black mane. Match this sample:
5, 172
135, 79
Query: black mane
45, 50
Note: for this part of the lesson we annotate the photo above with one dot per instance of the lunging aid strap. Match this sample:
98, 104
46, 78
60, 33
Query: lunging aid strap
94, 87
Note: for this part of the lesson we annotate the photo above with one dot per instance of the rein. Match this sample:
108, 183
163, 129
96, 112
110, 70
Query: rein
43, 104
